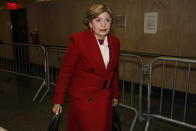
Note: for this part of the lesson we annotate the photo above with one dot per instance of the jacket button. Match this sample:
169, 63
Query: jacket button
92, 70
89, 99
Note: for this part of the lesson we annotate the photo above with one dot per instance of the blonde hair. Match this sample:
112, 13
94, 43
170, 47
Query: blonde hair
94, 11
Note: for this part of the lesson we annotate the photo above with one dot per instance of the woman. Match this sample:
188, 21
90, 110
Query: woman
90, 68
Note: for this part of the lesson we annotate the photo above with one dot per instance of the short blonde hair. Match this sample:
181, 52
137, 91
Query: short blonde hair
94, 11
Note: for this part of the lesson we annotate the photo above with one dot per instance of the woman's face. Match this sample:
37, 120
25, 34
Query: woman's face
101, 25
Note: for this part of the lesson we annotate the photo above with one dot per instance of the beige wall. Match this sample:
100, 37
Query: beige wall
56, 20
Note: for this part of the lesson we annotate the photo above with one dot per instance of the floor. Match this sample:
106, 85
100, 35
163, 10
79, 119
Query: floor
19, 113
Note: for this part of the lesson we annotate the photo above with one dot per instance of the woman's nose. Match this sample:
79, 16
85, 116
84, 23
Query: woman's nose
103, 23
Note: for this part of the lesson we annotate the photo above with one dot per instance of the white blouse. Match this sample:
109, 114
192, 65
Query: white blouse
105, 51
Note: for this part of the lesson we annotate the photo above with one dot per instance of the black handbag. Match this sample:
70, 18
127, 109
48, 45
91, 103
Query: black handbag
54, 123
116, 122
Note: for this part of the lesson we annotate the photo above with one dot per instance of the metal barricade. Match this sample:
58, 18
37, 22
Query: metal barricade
26, 60
55, 55
172, 72
43, 63
131, 71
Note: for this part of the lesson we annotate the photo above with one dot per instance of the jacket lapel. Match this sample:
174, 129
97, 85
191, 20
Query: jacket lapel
111, 47
95, 53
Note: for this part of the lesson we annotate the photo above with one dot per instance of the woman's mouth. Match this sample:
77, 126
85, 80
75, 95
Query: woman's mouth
103, 30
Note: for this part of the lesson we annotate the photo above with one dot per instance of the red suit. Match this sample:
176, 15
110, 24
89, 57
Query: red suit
92, 85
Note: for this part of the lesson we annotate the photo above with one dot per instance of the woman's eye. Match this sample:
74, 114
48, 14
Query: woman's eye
107, 20
98, 20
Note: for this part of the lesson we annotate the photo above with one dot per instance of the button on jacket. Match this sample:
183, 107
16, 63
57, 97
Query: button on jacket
83, 69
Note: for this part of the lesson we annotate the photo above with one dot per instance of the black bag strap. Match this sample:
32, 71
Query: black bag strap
54, 123
116, 123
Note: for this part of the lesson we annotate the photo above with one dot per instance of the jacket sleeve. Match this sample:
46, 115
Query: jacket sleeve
66, 71
115, 82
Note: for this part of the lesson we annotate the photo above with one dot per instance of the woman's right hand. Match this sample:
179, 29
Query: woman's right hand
57, 109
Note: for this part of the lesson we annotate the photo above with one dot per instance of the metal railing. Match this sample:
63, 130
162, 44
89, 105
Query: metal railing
43, 63
135, 65
25, 60
170, 65
55, 55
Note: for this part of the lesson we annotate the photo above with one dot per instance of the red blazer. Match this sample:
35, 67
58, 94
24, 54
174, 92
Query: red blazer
83, 69
83, 65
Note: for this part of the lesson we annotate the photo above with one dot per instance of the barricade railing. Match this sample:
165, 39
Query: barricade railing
27, 60
43, 63
55, 55
131, 72
166, 106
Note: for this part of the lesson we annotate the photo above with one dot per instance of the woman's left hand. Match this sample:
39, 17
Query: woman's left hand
114, 102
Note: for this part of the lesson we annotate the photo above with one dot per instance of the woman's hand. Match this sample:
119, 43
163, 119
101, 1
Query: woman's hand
114, 102
57, 109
